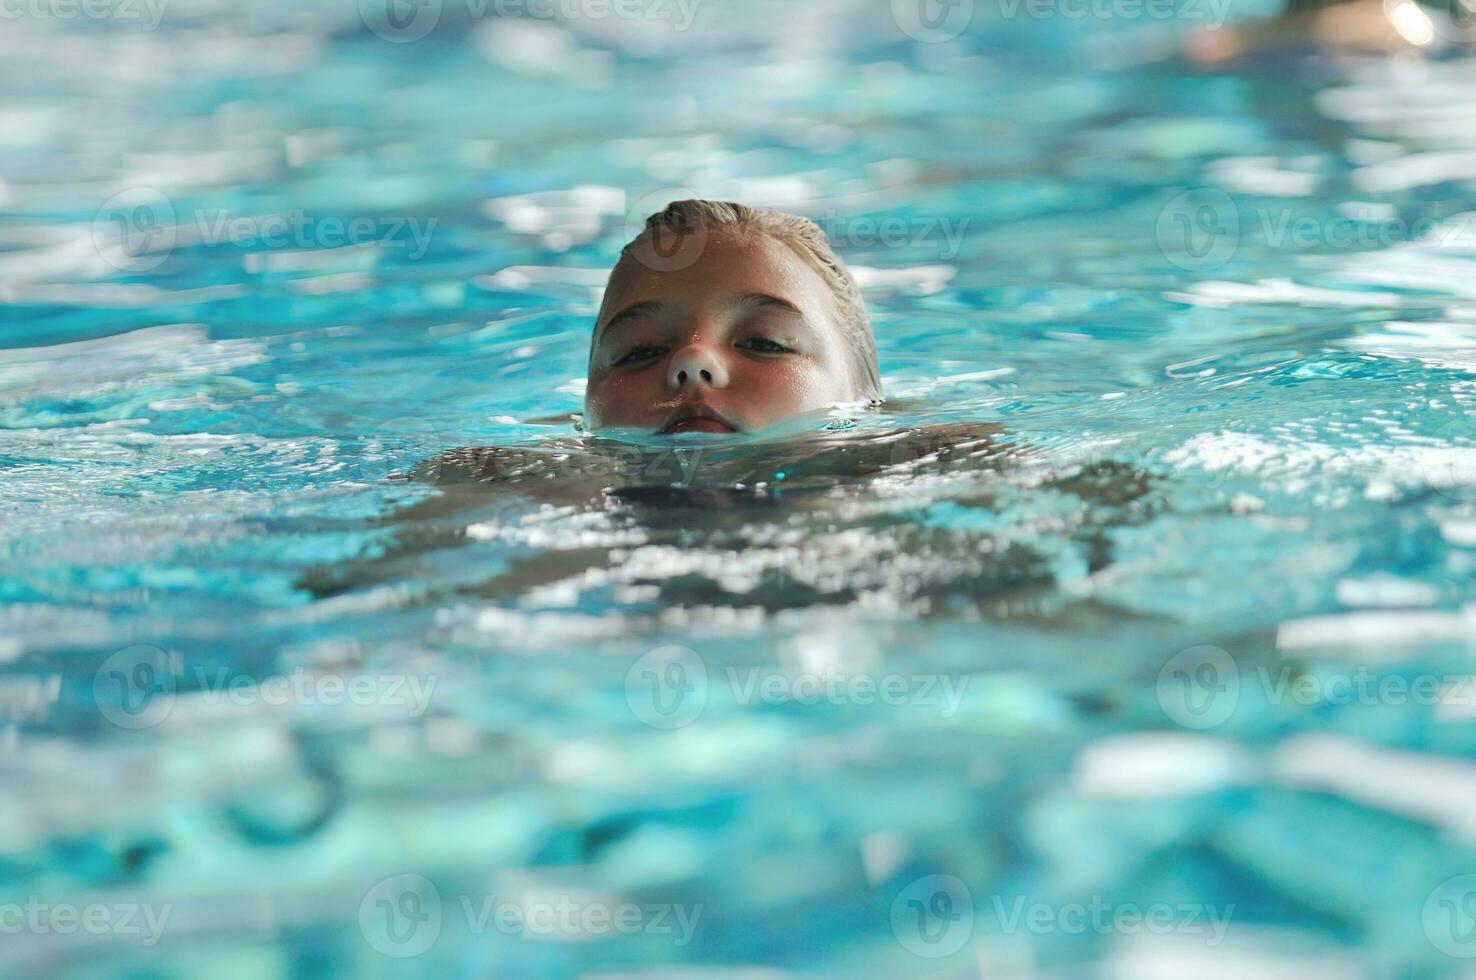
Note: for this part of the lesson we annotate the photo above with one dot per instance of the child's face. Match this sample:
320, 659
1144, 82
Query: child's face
741, 338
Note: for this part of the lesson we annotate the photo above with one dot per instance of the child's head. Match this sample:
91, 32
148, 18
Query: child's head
730, 317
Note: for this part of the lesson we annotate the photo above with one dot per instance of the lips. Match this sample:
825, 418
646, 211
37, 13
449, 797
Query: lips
697, 418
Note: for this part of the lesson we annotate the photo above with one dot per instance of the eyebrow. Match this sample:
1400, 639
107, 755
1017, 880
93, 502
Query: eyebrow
650, 306
630, 313
764, 299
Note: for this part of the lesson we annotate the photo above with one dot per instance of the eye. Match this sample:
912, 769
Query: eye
767, 346
638, 353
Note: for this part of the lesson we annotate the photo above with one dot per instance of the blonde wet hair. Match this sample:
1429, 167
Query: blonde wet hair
809, 242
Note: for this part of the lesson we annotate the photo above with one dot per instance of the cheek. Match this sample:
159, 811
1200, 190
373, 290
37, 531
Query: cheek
780, 386
625, 399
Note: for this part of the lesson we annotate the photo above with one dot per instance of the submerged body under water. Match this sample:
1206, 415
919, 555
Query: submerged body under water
1130, 638
788, 521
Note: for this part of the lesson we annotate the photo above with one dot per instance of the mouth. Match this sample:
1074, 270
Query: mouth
696, 418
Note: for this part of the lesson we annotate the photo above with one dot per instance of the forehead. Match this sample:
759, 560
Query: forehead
731, 263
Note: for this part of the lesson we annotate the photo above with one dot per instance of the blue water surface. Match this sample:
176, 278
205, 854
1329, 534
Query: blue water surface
1166, 672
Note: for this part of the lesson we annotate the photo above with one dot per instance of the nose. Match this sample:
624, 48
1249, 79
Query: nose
697, 365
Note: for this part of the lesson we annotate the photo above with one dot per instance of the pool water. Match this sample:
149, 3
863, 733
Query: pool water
1133, 637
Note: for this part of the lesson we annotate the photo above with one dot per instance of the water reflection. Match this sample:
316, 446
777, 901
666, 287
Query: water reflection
1196, 491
